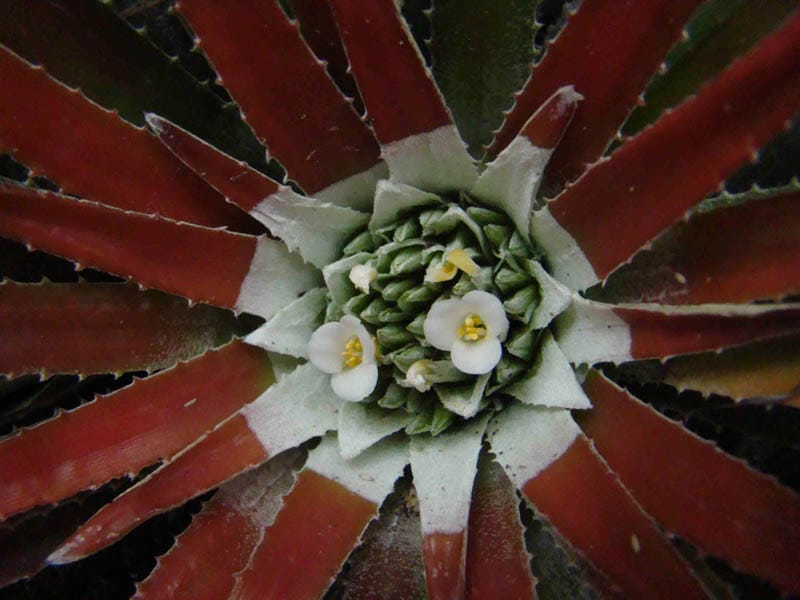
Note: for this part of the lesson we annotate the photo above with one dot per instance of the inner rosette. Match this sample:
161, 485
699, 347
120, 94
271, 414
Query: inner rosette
435, 310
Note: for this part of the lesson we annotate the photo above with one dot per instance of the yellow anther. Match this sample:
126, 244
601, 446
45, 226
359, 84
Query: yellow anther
353, 353
461, 259
473, 328
452, 262
449, 269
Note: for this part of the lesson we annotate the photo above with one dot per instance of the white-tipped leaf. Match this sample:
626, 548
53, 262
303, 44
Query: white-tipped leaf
464, 399
393, 199
371, 475
588, 332
363, 425
316, 230
510, 182
434, 161
526, 439
568, 262
357, 191
300, 406
554, 297
290, 329
550, 381
282, 364
276, 278
444, 470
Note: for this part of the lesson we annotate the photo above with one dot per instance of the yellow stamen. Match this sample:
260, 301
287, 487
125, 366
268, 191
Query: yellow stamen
453, 261
473, 328
353, 353
461, 259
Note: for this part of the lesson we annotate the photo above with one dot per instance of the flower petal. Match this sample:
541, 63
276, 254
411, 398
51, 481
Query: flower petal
441, 323
326, 346
490, 309
476, 358
357, 383
361, 276
367, 343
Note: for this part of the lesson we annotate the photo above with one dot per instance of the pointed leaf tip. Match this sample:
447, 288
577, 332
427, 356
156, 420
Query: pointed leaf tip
741, 110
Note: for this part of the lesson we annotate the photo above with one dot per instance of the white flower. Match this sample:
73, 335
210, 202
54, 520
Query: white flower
346, 351
361, 276
471, 328
417, 376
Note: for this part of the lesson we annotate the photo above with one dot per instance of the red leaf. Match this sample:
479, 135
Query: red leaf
228, 450
101, 328
765, 371
388, 564
238, 182
660, 334
587, 504
498, 565
546, 127
736, 254
694, 490
399, 92
651, 180
25, 544
590, 332
207, 265
443, 556
283, 90
91, 152
620, 46
121, 433
318, 26
205, 559
302, 552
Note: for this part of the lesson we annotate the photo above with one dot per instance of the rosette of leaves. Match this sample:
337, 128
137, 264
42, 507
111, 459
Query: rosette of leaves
611, 228
404, 253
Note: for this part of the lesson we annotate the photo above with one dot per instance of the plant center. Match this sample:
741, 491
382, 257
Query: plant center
391, 276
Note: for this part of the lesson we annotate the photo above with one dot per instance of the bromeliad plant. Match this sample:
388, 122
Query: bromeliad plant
420, 307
